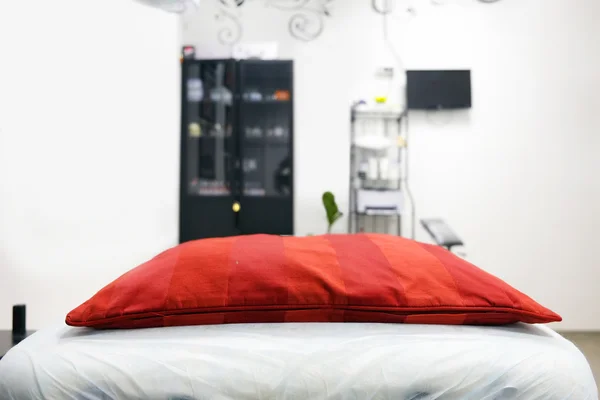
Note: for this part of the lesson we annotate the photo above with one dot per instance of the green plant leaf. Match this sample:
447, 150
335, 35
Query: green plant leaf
331, 209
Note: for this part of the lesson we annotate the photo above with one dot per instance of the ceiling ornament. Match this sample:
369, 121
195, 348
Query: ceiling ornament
306, 19
173, 6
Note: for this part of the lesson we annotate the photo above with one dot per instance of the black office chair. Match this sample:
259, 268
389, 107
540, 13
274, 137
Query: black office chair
441, 233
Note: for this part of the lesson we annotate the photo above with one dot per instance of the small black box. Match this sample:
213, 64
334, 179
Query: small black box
19, 328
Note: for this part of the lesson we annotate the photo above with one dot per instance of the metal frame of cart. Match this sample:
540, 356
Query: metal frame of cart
379, 193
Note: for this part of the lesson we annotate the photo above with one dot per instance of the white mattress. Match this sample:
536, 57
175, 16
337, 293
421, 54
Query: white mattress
298, 361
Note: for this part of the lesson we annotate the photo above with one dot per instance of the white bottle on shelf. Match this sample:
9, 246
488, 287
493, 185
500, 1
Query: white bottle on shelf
373, 170
384, 166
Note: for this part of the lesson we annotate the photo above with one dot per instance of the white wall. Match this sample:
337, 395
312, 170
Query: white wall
89, 138
515, 176
89, 148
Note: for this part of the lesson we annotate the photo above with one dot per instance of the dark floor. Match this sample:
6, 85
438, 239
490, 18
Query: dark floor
589, 344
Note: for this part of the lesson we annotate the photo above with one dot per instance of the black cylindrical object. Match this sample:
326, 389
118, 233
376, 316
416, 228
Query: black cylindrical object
18, 322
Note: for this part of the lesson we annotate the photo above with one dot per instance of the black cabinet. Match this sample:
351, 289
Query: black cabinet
236, 148
8, 341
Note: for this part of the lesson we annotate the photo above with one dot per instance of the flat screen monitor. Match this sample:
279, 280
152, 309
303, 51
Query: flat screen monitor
435, 90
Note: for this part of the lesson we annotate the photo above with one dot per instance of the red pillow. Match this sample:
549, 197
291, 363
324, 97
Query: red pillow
332, 278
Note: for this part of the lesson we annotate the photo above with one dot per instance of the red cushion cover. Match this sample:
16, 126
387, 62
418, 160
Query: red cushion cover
332, 278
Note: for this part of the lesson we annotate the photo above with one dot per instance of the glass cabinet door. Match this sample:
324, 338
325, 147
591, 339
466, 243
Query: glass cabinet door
266, 129
208, 117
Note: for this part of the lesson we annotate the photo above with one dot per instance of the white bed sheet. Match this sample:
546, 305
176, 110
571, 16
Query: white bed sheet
298, 361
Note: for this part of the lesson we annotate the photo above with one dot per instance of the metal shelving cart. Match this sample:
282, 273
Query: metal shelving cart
379, 190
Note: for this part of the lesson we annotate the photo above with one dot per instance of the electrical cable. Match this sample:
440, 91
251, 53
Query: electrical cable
391, 49
411, 199
386, 8
385, 12
386, 37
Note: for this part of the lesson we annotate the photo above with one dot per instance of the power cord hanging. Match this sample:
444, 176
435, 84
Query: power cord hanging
385, 8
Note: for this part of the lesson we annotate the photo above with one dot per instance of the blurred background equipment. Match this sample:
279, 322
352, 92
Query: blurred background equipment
378, 169
236, 148
441, 233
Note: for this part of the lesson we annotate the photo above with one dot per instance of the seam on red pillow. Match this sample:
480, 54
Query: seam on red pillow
398, 311
438, 309
339, 270
375, 255
437, 251
409, 262
175, 264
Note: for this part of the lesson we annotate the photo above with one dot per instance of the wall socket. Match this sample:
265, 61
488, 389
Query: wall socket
385, 72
